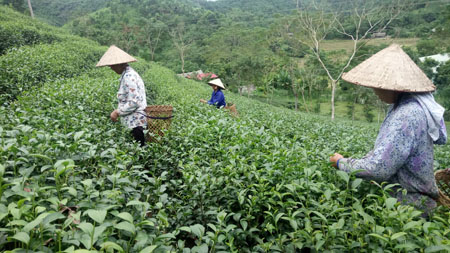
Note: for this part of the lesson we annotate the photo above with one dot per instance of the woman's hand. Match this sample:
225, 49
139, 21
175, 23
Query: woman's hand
203, 101
334, 159
114, 115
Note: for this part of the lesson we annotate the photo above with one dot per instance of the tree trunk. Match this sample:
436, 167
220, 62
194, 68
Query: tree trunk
296, 102
304, 101
182, 61
31, 9
333, 91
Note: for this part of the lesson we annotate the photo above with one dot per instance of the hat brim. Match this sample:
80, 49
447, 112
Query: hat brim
115, 56
390, 69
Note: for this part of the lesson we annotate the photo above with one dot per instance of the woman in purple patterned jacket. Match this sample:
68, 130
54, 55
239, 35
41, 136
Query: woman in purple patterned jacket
403, 151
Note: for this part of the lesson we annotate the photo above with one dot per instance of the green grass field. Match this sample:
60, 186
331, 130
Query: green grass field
331, 45
283, 98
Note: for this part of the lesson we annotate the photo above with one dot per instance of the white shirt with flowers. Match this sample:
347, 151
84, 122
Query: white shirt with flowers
132, 99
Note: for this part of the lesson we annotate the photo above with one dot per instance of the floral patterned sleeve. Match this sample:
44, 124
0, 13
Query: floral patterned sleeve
442, 134
392, 148
129, 98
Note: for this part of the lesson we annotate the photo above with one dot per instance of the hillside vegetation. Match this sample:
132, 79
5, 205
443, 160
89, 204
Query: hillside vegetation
262, 43
72, 181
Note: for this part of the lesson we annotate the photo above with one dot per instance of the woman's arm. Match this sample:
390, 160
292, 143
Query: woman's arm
391, 151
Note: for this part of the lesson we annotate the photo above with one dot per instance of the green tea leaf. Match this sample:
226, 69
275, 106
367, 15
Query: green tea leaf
244, 224
397, 235
125, 225
356, 183
22, 236
126, 216
52, 217
78, 135
437, 248
86, 227
149, 249
97, 215
186, 229
111, 245
379, 237
197, 230
343, 175
390, 202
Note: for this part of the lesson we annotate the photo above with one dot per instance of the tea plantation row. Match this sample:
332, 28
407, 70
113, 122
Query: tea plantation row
73, 181
261, 182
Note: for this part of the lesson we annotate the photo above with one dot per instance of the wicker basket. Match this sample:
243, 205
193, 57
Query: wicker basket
232, 109
443, 183
159, 118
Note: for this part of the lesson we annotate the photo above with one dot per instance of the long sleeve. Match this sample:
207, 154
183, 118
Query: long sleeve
392, 149
217, 99
442, 134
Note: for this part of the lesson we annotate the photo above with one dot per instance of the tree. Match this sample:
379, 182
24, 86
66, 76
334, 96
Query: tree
127, 37
316, 20
151, 31
31, 8
181, 42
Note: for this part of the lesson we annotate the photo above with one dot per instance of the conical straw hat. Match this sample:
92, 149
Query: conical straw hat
217, 82
113, 56
390, 69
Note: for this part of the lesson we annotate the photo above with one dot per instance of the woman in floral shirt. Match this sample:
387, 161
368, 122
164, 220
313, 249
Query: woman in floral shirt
131, 95
403, 151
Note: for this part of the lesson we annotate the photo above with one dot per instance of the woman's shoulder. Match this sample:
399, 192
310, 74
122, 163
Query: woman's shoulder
410, 109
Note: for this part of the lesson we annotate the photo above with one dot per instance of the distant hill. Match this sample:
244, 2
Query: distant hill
258, 7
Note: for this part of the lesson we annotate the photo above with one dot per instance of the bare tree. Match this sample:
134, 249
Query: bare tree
316, 20
31, 9
297, 84
127, 37
181, 43
151, 35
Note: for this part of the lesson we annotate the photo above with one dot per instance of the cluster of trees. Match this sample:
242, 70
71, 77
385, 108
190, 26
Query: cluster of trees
270, 44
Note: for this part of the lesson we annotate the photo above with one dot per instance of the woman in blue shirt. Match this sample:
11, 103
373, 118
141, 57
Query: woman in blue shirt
217, 97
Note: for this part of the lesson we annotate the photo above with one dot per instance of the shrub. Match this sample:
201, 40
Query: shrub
15, 36
29, 66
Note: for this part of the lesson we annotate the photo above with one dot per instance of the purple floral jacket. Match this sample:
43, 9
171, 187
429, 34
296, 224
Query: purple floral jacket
132, 99
403, 154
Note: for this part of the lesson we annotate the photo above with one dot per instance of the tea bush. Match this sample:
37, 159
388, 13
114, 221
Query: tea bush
10, 37
71, 179
28, 66
18, 30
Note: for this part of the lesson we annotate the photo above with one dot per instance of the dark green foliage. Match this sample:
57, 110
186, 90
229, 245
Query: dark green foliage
18, 5
59, 12
258, 183
442, 81
71, 179
11, 35
17, 30
28, 67
443, 75
427, 47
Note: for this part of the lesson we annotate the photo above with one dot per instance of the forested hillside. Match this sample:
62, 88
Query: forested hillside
261, 43
72, 181
60, 12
